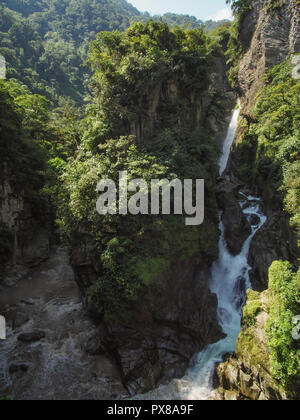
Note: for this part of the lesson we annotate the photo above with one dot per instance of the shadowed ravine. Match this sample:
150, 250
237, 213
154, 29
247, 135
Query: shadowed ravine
48, 302
229, 281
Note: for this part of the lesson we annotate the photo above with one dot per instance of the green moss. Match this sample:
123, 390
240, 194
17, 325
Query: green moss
252, 308
251, 350
151, 269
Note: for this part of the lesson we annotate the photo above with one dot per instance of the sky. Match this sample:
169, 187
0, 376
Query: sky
202, 9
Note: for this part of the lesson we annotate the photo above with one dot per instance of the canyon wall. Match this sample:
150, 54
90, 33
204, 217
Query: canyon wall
267, 38
175, 317
26, 240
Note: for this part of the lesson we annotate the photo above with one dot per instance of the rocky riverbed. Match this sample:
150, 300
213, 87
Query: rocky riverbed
48, 353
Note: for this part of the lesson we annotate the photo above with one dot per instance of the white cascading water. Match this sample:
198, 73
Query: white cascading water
229, 281
229, 140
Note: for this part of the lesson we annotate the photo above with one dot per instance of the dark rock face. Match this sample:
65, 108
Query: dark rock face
275, 241
176, 316
30, 241
32, 337
174, 320
16, 368
267, 39
237, 227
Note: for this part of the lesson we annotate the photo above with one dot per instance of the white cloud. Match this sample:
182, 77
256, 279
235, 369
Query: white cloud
221, 14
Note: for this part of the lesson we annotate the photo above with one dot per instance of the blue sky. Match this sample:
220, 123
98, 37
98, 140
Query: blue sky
202, 9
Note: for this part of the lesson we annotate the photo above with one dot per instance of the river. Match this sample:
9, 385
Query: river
229, 281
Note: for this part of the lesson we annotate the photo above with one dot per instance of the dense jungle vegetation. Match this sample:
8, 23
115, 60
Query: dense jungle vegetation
46, 43
130, 251
268, 157
55, 150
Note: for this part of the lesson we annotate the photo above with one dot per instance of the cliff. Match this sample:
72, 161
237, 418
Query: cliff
146, 279
27, 239
24, 226
269, 36
174, 317
247, 375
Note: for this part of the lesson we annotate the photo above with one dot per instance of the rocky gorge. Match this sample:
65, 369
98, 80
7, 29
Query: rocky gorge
60, 345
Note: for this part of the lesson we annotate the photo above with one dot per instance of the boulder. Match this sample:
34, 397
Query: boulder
32, 337
236, 226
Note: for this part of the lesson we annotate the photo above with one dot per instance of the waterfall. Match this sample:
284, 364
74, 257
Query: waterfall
229, 140
229, 281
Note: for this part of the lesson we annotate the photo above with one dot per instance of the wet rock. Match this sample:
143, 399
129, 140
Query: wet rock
231, 396
29, 302
32, 337
240, 292
277, 241
236, 226
18, 368
20, 319
254, 220
57, 368
95, 345
248, 371
157, 341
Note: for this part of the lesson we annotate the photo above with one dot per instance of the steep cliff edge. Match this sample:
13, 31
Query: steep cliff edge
24, 225
173, 317
263, 160
27, 239
266, 363
268, 36
145, 278
247, 375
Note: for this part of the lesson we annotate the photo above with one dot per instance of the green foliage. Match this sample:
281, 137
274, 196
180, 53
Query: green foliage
129, 65
47, 64
23, 158
130, 252
185, 21
45, 42
240, 7
252, 309
275, 4
34, 145
269, 153
284, 305
149, 270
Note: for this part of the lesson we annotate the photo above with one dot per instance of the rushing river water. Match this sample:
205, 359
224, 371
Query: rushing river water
48, 299
55, 367
229, 281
